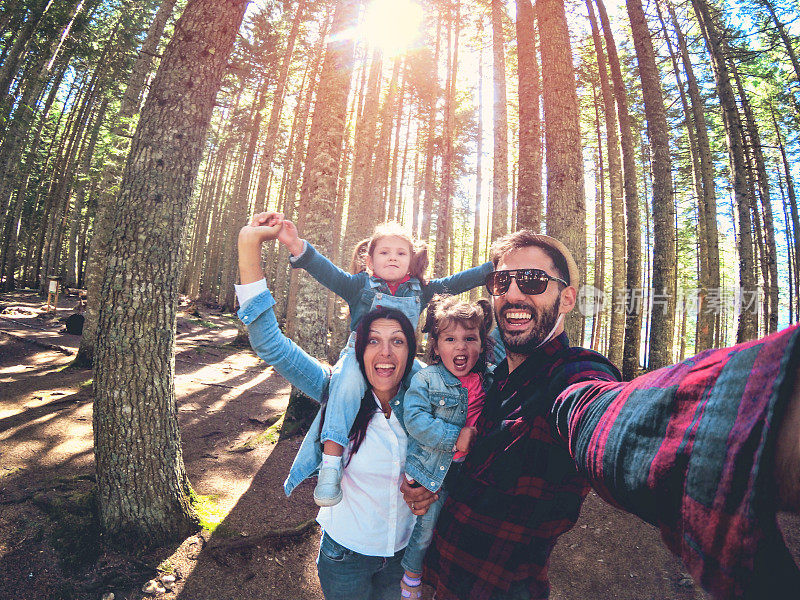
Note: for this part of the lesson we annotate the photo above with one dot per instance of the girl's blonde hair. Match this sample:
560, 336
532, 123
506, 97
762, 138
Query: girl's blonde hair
445, 310
419, 250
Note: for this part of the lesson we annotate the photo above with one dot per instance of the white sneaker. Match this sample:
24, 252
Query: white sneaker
328, 491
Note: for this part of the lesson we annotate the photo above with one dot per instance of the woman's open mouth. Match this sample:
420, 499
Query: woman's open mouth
384, 369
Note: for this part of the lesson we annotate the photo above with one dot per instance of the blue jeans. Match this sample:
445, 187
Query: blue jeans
347, 575
422, 534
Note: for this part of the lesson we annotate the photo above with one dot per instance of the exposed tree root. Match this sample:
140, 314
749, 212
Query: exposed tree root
245, 546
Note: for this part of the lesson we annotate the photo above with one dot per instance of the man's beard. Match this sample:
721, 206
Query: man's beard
543, 324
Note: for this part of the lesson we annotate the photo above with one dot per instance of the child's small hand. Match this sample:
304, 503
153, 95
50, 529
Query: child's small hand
465, 439
268, 219
289, 237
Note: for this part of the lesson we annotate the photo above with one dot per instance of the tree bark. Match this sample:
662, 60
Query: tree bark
566, 203
708, 198
476, 239
277, 107
444, 225
317, 205
747, 328
663, 207
633, 278
792, 197
618, 249
143, 489
530, 200
770, 247
500, 158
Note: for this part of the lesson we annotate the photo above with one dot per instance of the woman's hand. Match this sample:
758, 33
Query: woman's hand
418, 498
263, 227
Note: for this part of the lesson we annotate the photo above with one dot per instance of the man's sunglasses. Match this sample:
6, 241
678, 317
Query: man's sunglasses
529, 281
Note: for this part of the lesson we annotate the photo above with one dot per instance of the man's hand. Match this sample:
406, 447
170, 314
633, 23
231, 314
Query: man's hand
289, 237
418, 498
466, 438
263, 227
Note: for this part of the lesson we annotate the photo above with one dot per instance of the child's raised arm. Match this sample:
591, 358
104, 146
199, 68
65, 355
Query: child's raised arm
458, 282
340, 282
290, 237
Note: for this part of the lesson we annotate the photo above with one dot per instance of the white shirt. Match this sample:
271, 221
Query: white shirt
372, 518
248, 291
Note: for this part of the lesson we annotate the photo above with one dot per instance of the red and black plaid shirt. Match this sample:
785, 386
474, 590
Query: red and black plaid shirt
518, 489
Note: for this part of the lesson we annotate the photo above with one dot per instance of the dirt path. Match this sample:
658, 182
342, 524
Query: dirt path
226, 398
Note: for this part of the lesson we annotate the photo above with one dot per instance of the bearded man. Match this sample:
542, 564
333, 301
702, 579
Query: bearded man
707, 450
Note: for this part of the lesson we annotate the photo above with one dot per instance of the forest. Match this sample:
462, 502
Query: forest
658, 140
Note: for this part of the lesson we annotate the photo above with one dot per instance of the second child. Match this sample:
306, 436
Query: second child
440, 410
391, 268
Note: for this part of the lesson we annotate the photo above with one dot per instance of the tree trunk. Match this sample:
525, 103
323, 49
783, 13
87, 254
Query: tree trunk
566, 203
143, 490
707, 199
500, 172
530, 200
240, 206
317, 205
663, 207
476, 239
298, 153
96, 259
364, 210
431, 100
790, 192
770, 247
618, 292
633, 279
599, 231
747, 328
131, 99
73, 269
277, 107
444, 224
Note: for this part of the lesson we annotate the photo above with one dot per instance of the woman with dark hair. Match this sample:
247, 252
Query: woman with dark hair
365, 534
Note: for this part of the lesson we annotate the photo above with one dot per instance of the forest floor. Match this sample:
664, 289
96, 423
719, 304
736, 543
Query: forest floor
264, 545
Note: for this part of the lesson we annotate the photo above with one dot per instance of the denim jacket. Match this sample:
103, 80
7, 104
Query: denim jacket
435, 411
301, 370
361, 291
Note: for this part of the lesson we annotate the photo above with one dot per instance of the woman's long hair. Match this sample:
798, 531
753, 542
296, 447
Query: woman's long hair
359, 429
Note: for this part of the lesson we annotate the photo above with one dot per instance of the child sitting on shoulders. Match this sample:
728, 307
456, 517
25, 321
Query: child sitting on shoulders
394, 278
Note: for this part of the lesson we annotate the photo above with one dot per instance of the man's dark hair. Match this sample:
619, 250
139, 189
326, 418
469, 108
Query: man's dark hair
525, 238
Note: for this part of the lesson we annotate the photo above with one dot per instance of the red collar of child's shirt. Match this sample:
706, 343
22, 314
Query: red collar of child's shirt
393, 286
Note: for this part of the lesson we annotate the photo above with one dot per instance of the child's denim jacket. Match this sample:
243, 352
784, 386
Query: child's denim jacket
363, 292
434, 412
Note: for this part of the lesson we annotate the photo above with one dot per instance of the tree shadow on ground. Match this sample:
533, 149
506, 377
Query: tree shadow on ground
265, 546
